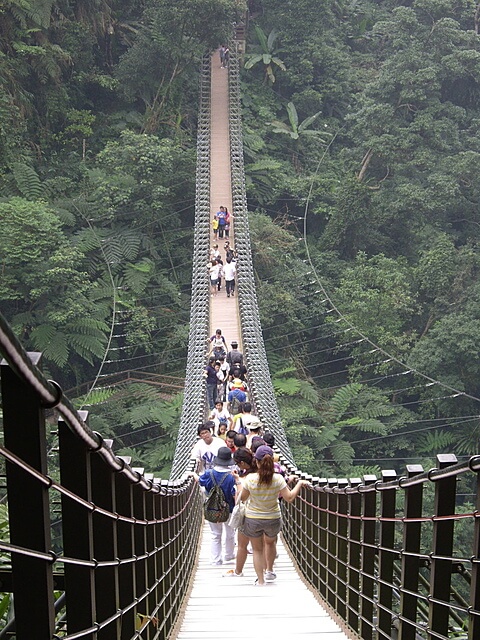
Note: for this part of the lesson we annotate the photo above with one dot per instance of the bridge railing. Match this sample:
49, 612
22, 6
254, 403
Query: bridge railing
96, 549
394, 557
260, 384
193, 410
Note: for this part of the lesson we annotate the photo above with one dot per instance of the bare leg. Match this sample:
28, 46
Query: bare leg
258, 558
270, 551
242, 543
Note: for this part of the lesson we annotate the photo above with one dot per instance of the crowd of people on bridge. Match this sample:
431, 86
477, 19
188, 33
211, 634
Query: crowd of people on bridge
232, 441
218, 269
232, 450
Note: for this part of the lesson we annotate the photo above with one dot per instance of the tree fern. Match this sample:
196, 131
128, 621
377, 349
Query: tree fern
308, 392
27, 181
342, 452
138, 275
286, 386
342, 399
326, 435
95, 397
43, 335
54, 345
361, 424
89, 240
434, 442
124, 245
467, 442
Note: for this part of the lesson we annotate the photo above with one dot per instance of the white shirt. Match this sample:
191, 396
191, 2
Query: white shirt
215, 271
229, 269
205, 453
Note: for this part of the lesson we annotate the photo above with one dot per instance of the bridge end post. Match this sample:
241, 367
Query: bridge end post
28, 504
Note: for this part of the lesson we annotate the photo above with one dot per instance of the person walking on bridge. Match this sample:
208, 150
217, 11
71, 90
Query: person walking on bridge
206, 447
229, 270
220, 474
263, 517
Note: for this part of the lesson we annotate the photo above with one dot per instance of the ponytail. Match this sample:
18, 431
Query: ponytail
265, 470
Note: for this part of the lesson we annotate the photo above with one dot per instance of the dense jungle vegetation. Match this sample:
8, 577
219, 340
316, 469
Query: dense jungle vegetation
362, 154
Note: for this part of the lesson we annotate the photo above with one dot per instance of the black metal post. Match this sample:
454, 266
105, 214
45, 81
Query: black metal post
77, 530
410, 558
28, 506
386, 557
332, 544
368, 560
104, 548
354, 555
126, 574
342, 549
441, 567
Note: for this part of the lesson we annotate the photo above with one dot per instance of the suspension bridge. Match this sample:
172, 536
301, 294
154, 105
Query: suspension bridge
103, 550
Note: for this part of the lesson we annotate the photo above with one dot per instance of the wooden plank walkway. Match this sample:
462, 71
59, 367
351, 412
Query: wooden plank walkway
234, 608
223, 310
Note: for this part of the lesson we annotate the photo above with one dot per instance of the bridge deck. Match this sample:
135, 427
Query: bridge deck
220, 607
223, 311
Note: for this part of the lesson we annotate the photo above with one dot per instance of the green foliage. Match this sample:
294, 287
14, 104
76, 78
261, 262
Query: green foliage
267, 54
27, 181
146, 424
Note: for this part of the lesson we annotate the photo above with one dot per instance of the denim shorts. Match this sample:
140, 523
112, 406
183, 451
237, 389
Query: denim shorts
256, 527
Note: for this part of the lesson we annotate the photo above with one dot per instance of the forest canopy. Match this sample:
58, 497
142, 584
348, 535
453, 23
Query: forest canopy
362, 154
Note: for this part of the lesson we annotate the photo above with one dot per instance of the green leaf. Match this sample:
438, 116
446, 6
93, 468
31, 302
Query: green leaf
27, 181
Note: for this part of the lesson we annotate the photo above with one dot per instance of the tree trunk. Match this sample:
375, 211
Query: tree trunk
365, 162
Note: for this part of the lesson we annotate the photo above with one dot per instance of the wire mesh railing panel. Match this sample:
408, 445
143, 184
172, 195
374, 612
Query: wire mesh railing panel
193, 409
260, 384
393, 557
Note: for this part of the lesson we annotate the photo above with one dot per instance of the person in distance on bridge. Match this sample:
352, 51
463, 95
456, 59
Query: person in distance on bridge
214, 252
211, 378
244, 420
255, 428
214, 268
222, 219
229, 440
263, 518
222, 429
219, 345
229, 251
226, 57
240, 441
225, 368
221, 52
234, 356
206, 448
219, 413
220, 273
229, 270
215, 227
227, 222
236, 397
